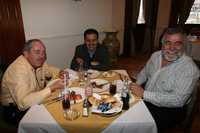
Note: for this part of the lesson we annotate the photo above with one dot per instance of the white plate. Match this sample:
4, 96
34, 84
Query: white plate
114, 110
109, 74
100, 82
93, 73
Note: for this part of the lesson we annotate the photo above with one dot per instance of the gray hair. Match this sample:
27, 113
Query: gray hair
28, 45
176, 30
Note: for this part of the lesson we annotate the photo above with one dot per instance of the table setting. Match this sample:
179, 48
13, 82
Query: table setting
91, 102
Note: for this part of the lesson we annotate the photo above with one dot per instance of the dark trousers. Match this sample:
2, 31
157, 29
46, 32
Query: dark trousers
12, 114
166, 117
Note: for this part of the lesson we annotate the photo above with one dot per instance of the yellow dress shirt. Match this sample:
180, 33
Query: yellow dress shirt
23, 85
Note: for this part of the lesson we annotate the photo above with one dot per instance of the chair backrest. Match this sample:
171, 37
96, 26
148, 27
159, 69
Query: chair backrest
191, 107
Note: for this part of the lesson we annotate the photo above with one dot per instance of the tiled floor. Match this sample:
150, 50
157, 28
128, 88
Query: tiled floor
134, 65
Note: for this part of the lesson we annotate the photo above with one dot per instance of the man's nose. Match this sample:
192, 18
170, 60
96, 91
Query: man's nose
172, 47
42, 55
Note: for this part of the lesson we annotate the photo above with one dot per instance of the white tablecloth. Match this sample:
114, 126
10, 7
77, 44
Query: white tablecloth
136, 120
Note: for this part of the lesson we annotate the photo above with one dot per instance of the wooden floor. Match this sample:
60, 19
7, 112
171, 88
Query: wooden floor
134, 65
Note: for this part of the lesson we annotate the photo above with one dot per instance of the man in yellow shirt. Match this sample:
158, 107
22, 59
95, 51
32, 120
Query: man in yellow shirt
23, 83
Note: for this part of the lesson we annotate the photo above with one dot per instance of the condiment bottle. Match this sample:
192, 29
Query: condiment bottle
85, 112
125, 95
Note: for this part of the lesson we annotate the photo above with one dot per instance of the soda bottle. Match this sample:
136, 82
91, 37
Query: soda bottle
125, 95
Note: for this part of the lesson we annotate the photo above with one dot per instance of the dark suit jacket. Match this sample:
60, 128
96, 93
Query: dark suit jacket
101, 55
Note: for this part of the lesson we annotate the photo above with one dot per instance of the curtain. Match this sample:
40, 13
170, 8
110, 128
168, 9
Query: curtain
12, 37
180, 11
185, 12
131, 16
150, 16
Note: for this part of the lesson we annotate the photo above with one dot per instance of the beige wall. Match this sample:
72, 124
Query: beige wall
163, 19
61, 23
118, 12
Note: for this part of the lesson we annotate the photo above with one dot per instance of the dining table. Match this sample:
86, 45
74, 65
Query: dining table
48, 117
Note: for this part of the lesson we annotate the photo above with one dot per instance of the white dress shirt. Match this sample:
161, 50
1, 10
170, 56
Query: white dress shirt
169, 86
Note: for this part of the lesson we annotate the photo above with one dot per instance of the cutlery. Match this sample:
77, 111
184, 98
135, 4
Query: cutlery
54, 100
94, 84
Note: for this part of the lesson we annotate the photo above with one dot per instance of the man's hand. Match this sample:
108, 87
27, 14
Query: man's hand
59, 84
137, 90
80, 61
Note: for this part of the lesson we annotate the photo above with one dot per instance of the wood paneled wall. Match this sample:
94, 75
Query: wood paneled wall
12, 36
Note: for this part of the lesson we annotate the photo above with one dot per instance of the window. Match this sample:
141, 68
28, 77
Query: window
141, 14
194, 17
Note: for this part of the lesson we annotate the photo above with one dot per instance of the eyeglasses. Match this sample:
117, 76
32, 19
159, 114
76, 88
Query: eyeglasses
177, 43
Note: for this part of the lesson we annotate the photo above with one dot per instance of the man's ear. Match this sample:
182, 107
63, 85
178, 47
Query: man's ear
25, 53
162, 41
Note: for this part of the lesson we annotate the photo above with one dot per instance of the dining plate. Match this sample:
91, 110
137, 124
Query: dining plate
115, 109
109, 74
100, 82
93, 73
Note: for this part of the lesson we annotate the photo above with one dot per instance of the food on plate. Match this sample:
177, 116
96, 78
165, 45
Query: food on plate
73, 96
93, 73
78, 97
105, 98
94, 101
110, 100
116, 104
109, 74
104, 106
105, 103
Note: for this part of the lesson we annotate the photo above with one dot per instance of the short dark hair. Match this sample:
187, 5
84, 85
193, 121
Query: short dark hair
91, 31
173, 30
28, 45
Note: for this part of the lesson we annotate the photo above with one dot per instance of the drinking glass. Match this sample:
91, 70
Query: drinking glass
88, 89
66, 103
113, 89
81, 72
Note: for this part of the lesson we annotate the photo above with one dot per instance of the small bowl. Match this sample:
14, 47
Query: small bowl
71, 114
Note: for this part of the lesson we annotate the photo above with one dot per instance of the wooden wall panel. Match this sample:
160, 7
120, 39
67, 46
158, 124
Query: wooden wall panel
12, 36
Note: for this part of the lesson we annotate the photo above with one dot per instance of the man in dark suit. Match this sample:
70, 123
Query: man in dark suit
91, 54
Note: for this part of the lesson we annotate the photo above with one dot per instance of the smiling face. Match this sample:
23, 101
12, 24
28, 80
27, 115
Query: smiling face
36, 55
91, 42
172, 47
